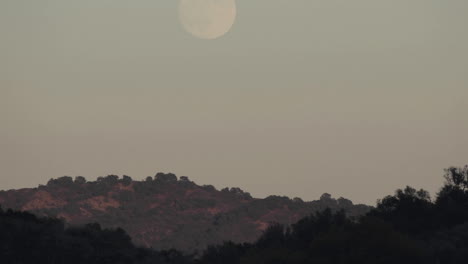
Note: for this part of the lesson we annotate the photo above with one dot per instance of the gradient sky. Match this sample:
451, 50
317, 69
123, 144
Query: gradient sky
355, 98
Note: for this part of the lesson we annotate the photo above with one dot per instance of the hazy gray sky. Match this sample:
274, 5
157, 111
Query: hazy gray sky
355, 98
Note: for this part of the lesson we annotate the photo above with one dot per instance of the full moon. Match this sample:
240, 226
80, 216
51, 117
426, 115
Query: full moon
207, 19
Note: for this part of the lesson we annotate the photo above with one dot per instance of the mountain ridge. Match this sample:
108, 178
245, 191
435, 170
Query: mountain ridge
165, 211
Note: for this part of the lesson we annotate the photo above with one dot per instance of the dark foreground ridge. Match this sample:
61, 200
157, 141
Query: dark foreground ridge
165, 212
405, 228
25, 239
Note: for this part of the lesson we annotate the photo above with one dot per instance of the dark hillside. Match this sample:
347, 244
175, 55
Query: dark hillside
166, 212
26, 238
407, 228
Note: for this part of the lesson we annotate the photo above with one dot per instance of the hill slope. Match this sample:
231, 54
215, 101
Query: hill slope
165, 212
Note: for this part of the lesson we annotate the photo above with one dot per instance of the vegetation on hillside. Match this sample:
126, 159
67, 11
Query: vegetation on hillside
407, 227
165, 212
26, 238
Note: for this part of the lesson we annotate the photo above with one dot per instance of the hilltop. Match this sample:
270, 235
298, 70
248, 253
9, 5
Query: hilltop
165, 211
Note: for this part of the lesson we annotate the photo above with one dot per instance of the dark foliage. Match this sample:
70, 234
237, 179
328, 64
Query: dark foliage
165, 212
25, 238
404, 228
407, 227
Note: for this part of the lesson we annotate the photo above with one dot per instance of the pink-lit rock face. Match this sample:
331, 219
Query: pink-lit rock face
165, 212
101, 203
43, 200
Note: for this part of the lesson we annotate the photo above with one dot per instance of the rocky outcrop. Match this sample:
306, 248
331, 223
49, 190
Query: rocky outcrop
166, 212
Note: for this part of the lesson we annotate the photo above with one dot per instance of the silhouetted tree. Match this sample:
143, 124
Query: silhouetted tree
126, 180
80, 180
452, 200
407, 203
457, 177
163, 177
64, 181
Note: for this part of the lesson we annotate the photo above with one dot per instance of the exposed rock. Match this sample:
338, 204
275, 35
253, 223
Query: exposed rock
166, 212
42, 200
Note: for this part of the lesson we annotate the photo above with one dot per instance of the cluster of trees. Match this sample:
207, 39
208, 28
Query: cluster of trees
114, 179
26, 238
407, 227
